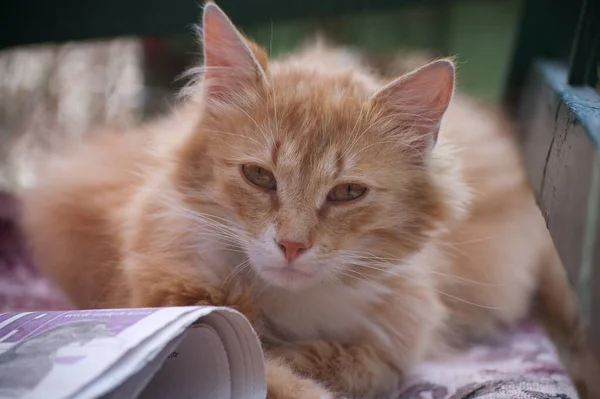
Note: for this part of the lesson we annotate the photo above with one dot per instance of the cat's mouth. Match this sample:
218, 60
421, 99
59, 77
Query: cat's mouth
288, 276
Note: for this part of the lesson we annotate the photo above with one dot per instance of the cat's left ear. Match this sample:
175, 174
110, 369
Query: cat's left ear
414, 104
231, 61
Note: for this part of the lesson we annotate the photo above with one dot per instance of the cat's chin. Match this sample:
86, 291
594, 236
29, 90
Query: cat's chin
288, 278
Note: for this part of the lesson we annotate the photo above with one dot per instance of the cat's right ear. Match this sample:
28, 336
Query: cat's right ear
231, 62
414, 104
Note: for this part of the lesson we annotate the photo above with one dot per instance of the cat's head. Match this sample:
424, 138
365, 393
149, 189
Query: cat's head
326, 171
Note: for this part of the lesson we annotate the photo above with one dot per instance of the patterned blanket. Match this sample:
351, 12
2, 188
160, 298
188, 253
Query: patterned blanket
520, 363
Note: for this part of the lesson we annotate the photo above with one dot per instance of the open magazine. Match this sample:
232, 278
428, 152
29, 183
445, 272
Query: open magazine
178, 353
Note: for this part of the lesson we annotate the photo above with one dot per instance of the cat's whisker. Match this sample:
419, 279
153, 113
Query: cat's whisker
367, 279
237, 135
211, 226
465, 280
225, 221
457, 250
378, 144
236, 271
217, 225
222, 246
221, 228
256, 124
335, 279
467, 301
413, 115
384, 265
358, 276
265, 287
217, 228
391, 270
222, 237
223, 243
353, 132
274, 99
356, 138
328, 274
215, 222
470, 241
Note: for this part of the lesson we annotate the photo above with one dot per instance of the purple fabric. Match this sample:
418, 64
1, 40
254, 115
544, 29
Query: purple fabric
21, 286
520, 363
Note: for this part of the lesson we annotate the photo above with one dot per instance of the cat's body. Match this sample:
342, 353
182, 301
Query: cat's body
443, 241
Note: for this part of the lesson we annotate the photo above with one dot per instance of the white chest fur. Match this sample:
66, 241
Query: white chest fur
332, 312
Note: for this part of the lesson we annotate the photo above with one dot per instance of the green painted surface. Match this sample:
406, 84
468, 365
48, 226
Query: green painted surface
479, 33
481, 36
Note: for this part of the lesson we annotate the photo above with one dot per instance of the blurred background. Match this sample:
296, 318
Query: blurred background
50, 93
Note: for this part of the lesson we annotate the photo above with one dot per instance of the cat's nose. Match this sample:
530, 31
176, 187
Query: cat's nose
291, 249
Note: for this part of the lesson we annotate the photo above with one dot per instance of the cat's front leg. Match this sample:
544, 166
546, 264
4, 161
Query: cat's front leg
156, 285
164, 282
353, 370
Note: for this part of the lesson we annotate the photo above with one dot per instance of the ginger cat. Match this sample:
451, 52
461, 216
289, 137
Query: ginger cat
361, 225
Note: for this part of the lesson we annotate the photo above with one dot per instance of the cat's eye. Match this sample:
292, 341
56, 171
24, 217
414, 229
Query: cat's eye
259, 176
346, 192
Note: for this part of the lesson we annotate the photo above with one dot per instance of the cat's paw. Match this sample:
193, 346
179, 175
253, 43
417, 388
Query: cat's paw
283, 383
305, 389
301, 356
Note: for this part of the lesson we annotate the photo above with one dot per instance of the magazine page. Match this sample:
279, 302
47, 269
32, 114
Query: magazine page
200, 352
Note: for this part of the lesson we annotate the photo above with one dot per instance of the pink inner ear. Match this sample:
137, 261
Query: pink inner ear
227, 59
419, 100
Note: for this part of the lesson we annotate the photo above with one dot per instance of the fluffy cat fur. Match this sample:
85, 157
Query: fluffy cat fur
446, 242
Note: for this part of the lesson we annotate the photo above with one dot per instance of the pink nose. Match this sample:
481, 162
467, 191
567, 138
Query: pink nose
291, 249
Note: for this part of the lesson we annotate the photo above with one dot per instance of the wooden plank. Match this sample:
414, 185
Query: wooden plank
559, 130
593, 257
559, 158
